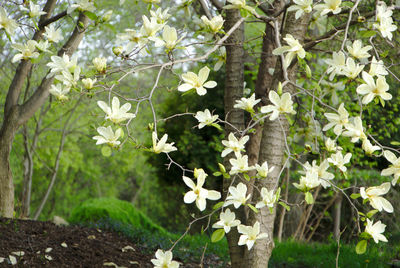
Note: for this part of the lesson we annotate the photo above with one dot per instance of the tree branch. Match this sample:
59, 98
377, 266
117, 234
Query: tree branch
41, 94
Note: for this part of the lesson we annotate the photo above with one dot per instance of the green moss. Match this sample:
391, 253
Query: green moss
94, 210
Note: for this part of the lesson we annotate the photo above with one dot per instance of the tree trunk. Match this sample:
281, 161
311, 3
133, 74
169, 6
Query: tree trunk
337, 215
234, 79
272, 149
16, 115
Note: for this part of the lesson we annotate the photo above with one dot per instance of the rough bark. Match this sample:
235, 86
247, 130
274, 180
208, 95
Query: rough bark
15, 115
272, 150
234, 80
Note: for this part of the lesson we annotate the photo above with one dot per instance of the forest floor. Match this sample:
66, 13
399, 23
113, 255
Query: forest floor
43, 244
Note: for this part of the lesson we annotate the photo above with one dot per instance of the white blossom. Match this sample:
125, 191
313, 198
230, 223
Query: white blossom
393, 169
164, 260
115, 113
162, 146
234, 145
339, 160
280, 105
197, 82
226, 220
108, 136
237, 195
250, 234
205, 118
373, 194
376, 230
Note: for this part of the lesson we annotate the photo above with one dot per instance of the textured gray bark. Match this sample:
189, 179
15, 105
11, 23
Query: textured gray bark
272, 150
234, 80
16, 115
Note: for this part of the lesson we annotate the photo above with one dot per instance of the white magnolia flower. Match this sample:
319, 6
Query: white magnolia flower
34, 10
336, 64
88, 83
115, 113
301, 6
82, 5
373, 194
250, 234
197, 82
234, 145
384, 20
393, 169
226, 220
376, 230
240, 164
358, 51
68, 78
237, 195
108, 136
355, 130
332, 89
337, 121
215, 24
164, 260
377, 68
369, 148
169, 38
100, 63
133, 37
205, 118
6, 23
150, 27
43, 46
160, 15
339, 160
152, 1
268, 198
198, 193
293, 48
323, 175
309, 181
372, 89
351, 69
162, 146
329, 6
386, 27
247, 104
28, 51
52, 34
59, 64
331, 145
60, 91
280, 105
263, 170
239, 4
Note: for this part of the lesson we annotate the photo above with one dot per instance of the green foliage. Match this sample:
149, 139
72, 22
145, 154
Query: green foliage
93, 210
293, 254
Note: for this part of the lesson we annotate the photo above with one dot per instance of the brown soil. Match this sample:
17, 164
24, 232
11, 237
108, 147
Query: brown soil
71, 246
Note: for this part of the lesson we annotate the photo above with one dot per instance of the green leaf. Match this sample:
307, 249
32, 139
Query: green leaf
253, 208
106, 151
284, 205
218, 205
246, 177
91, 15
361, 247
217, 173
309, 198
367, 34
355, 196
216, 126
221, 167
395, 143
372, 213
217, 235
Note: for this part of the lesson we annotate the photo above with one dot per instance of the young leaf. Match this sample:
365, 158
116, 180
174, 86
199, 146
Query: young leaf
361, 247
372, 213
309, 198
253, 208
355, 196
217, 235
284, 205
106, 151
218, 205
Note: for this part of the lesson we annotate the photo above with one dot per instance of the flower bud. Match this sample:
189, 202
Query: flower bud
100, 64
88, 83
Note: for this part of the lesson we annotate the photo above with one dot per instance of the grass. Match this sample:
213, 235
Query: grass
122, 217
